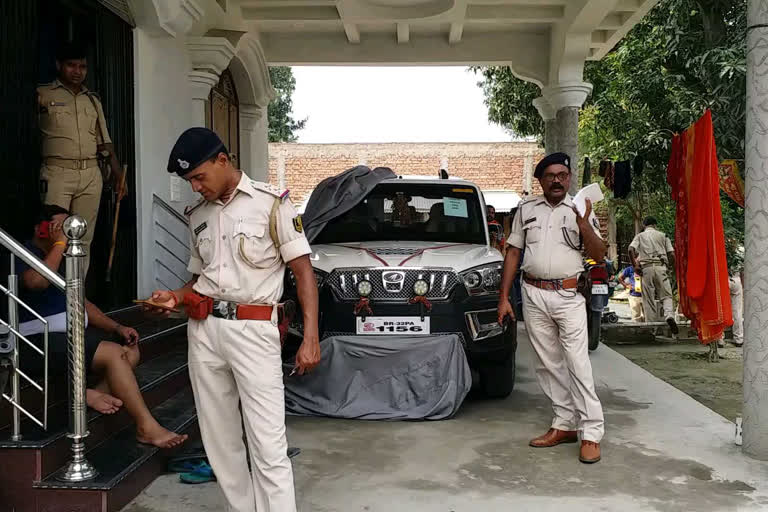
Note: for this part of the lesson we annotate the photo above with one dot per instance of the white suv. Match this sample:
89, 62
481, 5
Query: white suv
413, 259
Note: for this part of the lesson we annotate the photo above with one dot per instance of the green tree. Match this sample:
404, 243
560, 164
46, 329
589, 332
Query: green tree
684, 57
282, 125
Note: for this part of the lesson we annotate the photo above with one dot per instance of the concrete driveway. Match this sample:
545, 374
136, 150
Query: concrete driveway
663, 451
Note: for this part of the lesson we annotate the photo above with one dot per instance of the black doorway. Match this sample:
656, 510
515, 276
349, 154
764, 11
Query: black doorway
31, 31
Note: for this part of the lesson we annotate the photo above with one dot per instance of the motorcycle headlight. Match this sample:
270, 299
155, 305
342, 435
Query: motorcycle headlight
483, 280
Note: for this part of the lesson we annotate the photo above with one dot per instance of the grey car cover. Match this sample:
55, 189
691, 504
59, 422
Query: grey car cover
382, 377
337, 195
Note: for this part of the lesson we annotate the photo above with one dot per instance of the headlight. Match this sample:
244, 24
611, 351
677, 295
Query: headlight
420, 287
483, 280
364, 288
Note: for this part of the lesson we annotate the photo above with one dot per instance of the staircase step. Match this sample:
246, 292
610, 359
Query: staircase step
157, 338
125, 466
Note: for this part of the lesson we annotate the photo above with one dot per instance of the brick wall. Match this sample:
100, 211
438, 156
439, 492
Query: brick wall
492, 166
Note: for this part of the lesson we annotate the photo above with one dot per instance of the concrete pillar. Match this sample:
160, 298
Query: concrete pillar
201, 83
547, 113
755, 422
566, 99
250, 126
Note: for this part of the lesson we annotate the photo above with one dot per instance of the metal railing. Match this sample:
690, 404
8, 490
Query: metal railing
73, 286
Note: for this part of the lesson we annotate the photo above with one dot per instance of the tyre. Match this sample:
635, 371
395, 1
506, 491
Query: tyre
613, 318
593, 327
497, 380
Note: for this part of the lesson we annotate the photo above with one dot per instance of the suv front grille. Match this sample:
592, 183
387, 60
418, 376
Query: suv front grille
392, 284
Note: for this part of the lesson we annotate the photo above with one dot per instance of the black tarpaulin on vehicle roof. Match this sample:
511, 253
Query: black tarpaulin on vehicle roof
337, 195
382, 378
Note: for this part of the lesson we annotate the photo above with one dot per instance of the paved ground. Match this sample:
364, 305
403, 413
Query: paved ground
663, 451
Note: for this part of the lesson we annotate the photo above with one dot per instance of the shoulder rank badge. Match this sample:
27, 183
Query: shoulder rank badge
297, 224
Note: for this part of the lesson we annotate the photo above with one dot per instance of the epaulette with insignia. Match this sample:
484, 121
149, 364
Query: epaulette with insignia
270, 189
189, 209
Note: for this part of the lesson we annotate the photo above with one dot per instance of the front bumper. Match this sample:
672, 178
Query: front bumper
473, 318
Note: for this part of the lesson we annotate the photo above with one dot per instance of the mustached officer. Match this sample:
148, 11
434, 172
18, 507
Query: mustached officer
244, 233
553, 234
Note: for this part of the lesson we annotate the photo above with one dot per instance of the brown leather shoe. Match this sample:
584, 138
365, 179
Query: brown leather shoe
590, 452
554, 437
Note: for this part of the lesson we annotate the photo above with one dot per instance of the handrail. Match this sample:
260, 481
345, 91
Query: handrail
170, 209
30, 259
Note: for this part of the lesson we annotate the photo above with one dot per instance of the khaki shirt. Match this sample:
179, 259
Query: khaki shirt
232, 250
652, 247
72, 128
540, 229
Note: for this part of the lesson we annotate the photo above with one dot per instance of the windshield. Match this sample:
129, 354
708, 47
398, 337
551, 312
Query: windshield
411, 212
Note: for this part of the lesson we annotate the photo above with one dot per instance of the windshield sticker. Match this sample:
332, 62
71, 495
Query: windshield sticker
463, 191
455, 207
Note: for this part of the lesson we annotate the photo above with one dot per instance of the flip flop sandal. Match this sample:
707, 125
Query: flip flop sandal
203, 473
293, 451
186, 463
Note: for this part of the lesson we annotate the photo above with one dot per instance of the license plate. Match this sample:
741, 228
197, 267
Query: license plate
599, 289
393, 325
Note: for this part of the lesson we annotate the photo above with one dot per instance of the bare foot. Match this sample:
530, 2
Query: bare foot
102, 402
160, 437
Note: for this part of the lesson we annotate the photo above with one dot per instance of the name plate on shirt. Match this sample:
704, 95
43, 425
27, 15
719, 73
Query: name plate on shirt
599, 289
388, 325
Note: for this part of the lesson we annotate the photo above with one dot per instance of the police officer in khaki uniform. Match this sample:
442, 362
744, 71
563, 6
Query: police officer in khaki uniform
244, 233
552, 234
74, 131
651, 252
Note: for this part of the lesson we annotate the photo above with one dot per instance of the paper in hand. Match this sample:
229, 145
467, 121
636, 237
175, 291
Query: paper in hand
591, 192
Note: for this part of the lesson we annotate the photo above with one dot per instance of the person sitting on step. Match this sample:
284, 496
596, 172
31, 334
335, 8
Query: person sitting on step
113, 362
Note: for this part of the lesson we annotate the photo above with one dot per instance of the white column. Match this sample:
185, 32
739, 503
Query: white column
201, 83
755, 435
254, 142
566, 99
547, 113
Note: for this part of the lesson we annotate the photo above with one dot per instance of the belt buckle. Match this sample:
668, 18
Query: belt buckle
83, 165
227, 309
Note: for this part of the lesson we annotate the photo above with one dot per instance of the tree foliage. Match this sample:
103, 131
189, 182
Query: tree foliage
684, 57
282, 125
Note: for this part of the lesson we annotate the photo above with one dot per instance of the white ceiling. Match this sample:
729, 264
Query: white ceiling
540, 39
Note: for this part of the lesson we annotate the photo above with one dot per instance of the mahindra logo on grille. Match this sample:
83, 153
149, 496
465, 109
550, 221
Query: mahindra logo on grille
393, 281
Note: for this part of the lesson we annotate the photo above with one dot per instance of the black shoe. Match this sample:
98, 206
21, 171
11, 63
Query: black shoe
673, 326
293, 451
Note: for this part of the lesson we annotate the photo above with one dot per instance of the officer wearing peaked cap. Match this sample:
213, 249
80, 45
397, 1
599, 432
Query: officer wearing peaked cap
243, 233
552, 235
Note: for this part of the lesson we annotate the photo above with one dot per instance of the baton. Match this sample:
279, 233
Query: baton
114, 226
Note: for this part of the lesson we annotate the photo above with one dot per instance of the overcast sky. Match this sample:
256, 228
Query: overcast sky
392, 104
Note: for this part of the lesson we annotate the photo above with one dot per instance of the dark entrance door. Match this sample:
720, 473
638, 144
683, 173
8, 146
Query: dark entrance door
31, 31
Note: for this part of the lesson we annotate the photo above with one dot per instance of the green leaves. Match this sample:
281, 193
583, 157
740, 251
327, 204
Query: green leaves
684, 57
282, 125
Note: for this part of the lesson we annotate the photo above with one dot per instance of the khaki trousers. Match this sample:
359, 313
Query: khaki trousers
557, 326
235, 362
79, 191
657, 294
636, 308
737, 305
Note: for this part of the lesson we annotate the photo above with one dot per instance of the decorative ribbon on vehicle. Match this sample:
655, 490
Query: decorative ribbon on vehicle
421, 251
363, 305
420, 299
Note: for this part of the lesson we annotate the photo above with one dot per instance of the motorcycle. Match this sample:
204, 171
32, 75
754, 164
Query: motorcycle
597, 301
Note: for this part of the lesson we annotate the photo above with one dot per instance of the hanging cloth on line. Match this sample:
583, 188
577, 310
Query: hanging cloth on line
622, 178
702, 270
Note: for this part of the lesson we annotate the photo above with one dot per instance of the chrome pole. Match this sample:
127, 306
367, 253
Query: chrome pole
13, 321
79, 468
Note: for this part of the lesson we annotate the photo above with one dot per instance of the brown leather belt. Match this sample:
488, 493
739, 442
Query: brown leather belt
553, 284
72, 164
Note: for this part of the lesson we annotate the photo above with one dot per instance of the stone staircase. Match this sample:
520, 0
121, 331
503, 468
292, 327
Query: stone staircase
29, 468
